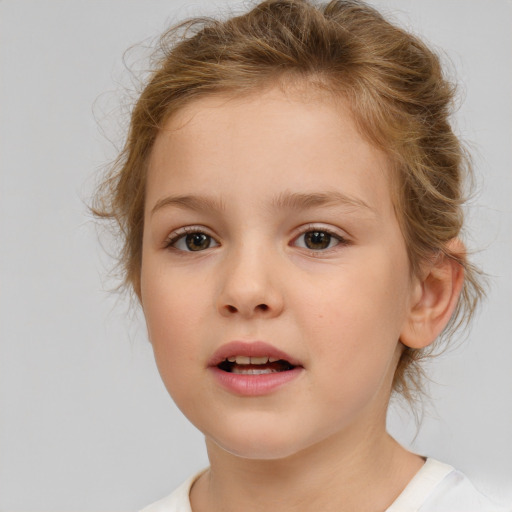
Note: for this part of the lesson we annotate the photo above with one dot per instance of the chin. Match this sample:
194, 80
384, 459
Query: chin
260, 442
268, 451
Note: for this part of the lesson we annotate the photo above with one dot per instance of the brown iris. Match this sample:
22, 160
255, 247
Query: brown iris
197, 241
317, 240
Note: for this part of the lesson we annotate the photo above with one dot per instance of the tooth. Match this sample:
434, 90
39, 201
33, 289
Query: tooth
232, 359
255, 371
272, 359
259, 360
243, 360
252, 371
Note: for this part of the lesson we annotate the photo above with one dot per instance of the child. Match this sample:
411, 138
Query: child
290, 195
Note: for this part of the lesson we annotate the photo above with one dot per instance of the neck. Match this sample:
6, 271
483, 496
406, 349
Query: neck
351, 473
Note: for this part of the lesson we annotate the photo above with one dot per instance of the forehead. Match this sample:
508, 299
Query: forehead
293, 139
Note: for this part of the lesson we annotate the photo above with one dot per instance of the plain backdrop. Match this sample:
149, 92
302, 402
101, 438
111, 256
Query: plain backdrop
85, 423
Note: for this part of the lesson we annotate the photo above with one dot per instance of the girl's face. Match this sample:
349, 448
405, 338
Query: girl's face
270, 233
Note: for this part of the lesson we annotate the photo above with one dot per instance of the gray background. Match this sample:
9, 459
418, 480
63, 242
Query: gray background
85, 423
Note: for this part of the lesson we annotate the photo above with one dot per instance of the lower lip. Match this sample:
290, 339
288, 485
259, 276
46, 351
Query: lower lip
254, 385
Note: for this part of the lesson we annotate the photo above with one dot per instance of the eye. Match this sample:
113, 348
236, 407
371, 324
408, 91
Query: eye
318, 240
192, 241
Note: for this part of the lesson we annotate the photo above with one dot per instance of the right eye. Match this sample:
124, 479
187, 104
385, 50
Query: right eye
192, 241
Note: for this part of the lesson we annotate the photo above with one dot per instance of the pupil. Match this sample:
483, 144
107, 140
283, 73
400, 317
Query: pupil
317, 240
197, 241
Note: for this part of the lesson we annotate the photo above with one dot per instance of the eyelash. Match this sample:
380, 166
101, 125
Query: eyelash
174, 237
342, 241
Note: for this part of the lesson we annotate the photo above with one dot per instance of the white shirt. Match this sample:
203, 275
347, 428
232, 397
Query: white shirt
437, 487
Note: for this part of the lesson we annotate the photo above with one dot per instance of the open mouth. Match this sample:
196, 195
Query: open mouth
247, 365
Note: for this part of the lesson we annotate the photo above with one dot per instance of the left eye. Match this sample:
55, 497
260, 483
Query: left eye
317, 240
194, 242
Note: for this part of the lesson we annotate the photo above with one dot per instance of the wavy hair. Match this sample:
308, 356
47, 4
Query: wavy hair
397, 93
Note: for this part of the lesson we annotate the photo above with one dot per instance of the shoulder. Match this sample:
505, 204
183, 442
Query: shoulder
456, 493
438, 487
177, 501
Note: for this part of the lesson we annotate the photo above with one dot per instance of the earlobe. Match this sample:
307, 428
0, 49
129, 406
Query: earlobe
436, 297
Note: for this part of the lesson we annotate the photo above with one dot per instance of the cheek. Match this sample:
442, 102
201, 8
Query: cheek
172, 316
371, 295
357, 318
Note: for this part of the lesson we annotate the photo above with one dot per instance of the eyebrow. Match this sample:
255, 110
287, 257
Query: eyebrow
189, 202
300, 201
285, 200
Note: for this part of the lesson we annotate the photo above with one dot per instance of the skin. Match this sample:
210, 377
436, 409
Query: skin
262, 167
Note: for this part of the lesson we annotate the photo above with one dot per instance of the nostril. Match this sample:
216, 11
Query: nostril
233, 309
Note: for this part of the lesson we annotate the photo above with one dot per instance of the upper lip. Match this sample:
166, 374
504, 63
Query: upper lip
250, 349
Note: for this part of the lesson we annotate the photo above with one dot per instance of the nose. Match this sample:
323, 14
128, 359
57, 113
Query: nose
249, 286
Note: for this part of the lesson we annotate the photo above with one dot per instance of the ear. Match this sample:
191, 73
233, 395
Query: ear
436, 294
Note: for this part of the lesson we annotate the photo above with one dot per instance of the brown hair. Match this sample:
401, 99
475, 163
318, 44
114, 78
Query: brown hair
394, 85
